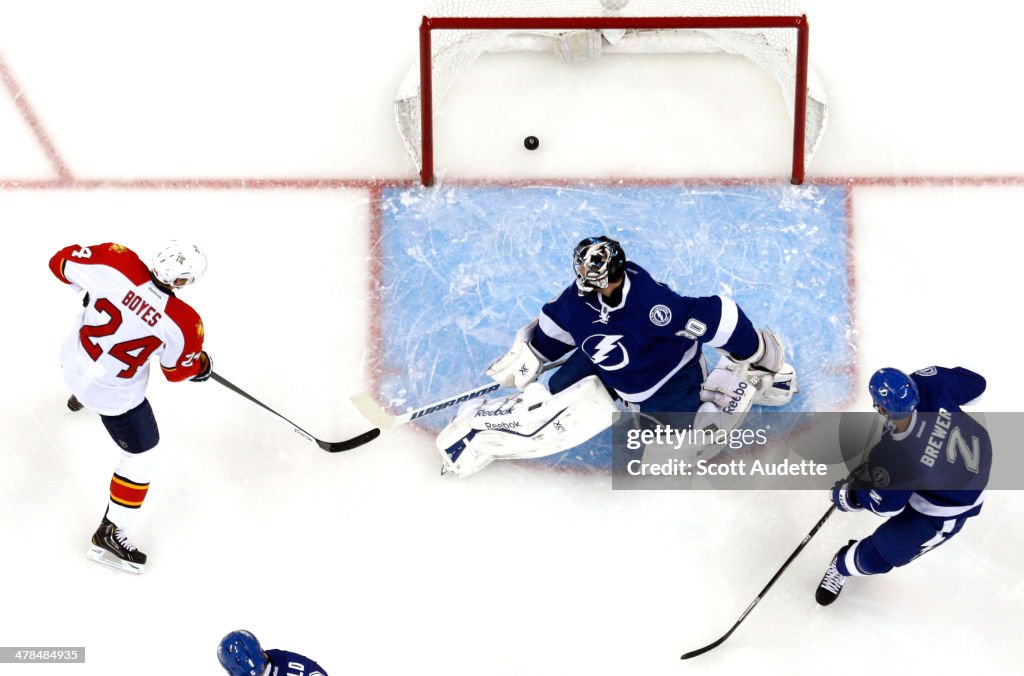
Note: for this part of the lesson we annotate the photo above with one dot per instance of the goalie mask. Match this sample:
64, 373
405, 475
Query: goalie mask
597, 261
178, 264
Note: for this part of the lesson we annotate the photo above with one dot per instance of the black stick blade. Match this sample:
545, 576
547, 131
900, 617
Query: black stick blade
701, 651
349, 444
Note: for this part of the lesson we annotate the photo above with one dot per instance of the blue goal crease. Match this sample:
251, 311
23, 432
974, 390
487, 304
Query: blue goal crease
463, 268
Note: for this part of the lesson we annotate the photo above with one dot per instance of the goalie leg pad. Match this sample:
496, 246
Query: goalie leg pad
776, 389
771, 353
729, 392
532, 424
730, 387
727, 395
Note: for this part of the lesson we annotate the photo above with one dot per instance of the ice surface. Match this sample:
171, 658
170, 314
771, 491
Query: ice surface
368, 561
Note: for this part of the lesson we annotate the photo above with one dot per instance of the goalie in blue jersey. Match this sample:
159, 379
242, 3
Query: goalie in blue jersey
632, 339
927, 475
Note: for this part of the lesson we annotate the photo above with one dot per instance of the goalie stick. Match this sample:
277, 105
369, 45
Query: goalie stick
373, 411
711, 646
329, 446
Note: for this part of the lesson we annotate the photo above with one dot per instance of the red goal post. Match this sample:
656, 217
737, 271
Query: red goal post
753, 36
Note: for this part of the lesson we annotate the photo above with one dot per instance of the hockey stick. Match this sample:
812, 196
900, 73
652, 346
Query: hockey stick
329, 446
373, 411
711, 646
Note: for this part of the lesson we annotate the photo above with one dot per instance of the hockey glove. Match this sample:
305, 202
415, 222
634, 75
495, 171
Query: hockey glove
844, 498
520, 365
205, 368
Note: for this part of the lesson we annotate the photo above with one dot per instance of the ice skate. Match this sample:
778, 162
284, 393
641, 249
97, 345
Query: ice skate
74, 405
111, 547
831, 585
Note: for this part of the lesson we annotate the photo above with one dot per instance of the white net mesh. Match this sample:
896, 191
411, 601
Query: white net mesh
454, 51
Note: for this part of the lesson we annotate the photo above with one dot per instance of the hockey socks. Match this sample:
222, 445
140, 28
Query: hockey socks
126, 497
128, 487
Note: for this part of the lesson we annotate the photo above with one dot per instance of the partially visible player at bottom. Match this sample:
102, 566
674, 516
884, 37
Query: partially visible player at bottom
131, 314
633, 339
927, 474
241, 655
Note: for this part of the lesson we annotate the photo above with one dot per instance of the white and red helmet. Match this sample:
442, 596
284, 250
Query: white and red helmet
178, 264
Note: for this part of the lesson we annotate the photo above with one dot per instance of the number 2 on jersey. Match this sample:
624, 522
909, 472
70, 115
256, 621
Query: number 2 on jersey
123, 352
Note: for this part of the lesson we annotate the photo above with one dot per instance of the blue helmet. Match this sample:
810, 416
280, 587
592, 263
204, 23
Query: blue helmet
894, 391
241, 655
597, 261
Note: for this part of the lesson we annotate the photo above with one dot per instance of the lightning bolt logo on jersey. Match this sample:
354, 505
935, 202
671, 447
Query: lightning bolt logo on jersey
606, 351
647, 338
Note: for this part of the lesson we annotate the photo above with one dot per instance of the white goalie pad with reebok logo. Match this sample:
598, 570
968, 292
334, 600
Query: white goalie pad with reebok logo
729, 392
780, 390
530, 424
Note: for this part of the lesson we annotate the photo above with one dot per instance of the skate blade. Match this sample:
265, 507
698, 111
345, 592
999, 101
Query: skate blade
102, 556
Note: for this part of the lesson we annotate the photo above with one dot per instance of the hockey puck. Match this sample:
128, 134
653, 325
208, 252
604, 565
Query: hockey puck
531, 142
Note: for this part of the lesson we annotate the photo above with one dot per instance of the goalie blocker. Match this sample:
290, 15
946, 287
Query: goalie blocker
530, 424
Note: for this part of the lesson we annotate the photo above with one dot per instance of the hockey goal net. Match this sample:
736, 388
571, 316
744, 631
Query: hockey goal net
454, 33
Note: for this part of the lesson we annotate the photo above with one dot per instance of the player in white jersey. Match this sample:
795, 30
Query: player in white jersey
131, 314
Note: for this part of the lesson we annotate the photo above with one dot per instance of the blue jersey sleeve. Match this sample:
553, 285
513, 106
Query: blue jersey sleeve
881, 501
948, 388
966, 385
727, 326
551, 339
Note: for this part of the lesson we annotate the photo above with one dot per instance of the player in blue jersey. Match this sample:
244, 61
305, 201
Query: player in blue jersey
632, 337
927, 475
241, 655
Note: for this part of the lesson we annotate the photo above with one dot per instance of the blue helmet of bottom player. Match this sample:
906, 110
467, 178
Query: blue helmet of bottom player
893, 393
597, 261
241, 654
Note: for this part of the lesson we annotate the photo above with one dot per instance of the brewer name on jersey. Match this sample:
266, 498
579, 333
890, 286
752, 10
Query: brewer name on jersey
943, 429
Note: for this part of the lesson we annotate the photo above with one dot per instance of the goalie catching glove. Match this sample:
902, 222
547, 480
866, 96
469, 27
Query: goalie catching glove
521, 364
530, 424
